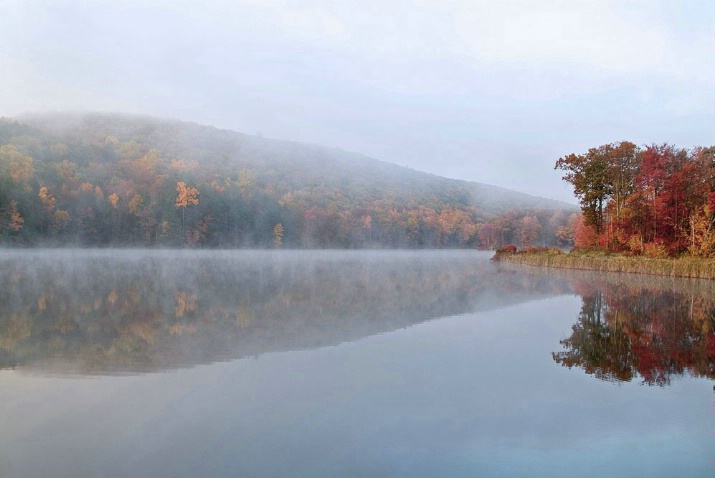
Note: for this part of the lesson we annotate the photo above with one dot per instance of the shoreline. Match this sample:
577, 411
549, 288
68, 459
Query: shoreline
689, 267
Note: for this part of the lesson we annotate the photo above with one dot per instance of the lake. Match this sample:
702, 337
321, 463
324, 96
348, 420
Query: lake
158, 363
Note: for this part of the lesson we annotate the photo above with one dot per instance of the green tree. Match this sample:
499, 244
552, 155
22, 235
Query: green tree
589, 175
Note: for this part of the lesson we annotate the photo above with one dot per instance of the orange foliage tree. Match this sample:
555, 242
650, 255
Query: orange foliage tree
187, 196
584, 234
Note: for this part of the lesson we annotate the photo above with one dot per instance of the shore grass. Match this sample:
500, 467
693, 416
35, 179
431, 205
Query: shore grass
595, 261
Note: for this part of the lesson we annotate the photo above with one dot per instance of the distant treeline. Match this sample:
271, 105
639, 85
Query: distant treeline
658, 200
83, 186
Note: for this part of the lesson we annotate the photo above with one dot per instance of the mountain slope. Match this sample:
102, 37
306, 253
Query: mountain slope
246, 186
300, 165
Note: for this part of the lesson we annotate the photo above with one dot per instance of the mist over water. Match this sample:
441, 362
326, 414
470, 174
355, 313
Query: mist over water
126, 311
130, 311
332, 363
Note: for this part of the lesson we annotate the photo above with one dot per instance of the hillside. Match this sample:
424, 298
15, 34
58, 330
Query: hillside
105, 179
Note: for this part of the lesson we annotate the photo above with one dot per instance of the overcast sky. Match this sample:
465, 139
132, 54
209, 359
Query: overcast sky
489, 91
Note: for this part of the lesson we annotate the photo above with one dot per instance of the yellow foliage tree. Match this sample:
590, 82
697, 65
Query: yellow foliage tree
113, 200
702, 233
135, 204
46, 197
16, 220
246, 179
278, 235
187, 196
11, 219
17, 165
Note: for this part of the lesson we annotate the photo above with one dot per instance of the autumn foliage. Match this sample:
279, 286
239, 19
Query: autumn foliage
657, 200
124, 182
187, 196
624, 332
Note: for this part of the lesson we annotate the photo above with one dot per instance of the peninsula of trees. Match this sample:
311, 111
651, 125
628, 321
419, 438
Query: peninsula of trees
645, 210
109, 180
657, 201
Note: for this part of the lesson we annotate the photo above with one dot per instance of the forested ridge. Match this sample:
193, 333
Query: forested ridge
113, 180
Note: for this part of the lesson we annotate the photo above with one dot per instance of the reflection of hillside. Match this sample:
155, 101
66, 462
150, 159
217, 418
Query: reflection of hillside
114, 312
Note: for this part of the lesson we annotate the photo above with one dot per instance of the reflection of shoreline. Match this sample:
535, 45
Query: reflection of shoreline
630, 326
123, 312
584, 278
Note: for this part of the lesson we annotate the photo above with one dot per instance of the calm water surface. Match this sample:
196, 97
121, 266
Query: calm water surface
364, 364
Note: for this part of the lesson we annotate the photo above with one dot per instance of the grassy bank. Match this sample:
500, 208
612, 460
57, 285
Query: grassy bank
682, 267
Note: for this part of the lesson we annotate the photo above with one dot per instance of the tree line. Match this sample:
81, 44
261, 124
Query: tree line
657, 200
92, 188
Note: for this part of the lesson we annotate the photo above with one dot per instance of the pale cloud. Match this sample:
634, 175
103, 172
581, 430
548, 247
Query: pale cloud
588, 34
314, 22
548, 47
24, 87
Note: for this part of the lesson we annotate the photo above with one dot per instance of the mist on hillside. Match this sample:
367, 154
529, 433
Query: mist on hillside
114, 180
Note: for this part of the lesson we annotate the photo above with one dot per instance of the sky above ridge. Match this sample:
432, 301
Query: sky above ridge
487, 91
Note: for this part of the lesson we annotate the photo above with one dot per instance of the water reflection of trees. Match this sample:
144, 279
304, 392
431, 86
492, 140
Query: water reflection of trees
116, 312
122, 312
656, 331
